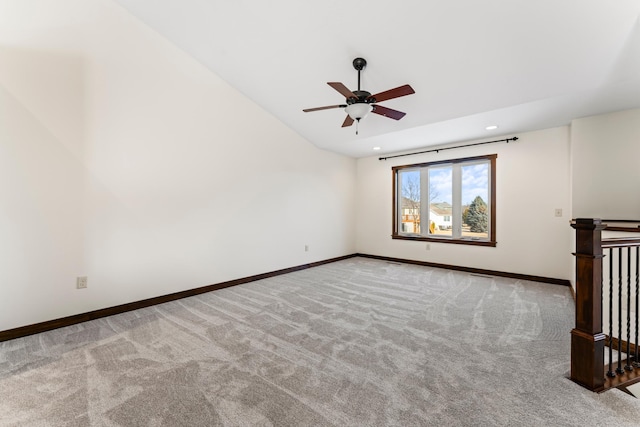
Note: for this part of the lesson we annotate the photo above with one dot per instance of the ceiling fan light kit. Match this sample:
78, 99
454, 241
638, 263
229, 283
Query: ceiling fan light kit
359, 103
358, 111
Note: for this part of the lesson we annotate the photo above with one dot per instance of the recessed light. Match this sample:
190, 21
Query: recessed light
376, 148
492, 127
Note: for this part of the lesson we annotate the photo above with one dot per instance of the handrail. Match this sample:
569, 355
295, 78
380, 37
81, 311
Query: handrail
620, 242
611, 227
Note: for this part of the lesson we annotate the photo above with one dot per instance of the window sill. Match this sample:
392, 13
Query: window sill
470, 242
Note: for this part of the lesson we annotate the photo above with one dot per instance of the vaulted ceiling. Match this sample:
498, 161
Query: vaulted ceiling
520, 65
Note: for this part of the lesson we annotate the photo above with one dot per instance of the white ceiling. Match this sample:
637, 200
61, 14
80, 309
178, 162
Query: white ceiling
522, 65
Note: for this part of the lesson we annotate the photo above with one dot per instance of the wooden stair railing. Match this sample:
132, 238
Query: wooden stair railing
587, 338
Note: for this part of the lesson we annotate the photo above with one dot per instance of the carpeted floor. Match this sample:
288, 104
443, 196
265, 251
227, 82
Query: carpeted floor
358, 342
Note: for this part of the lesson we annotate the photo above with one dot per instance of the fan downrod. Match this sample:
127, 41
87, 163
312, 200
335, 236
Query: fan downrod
359, 64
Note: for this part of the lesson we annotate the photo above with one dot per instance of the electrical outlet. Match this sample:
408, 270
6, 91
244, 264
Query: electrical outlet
81, 282
306, 248
558, 212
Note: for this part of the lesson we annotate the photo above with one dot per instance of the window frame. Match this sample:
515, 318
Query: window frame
397, 208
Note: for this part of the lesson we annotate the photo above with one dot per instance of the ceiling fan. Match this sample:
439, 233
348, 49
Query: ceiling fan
359, 103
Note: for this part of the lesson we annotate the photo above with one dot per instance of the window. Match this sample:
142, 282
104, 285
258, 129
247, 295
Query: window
447, 201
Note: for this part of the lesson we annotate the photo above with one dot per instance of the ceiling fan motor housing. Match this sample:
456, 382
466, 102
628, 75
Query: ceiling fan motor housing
362, 96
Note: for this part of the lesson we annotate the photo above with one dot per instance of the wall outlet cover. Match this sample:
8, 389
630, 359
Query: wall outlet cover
81, 282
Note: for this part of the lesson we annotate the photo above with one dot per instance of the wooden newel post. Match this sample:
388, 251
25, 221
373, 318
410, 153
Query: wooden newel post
587, 339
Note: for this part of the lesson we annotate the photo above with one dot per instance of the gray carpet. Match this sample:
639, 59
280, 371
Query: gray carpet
354, 343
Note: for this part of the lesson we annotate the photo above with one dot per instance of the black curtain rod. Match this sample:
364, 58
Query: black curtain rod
436, 150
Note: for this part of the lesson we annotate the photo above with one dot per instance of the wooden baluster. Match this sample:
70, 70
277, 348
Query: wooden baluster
628, 366
619, 368
610, 372
635, 358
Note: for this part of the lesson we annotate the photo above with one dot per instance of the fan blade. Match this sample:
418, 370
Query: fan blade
308, 110
342, 89
393, 93
347, 121
388, 112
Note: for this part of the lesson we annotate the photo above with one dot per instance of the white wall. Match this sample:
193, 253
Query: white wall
532, 180
606, 166
123, 159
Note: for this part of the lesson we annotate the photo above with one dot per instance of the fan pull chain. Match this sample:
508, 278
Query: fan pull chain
357, 123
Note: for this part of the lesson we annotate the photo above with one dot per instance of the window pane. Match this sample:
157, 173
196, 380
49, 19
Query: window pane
447, 201
475, 195
440, 200
410, 201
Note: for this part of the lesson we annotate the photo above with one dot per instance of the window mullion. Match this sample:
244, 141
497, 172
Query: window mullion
424, 202
456, 209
